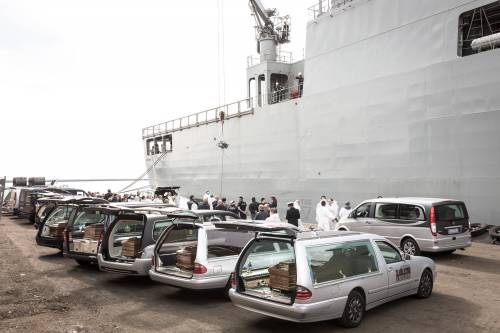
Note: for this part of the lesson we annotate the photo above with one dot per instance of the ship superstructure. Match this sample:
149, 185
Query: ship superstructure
393, 98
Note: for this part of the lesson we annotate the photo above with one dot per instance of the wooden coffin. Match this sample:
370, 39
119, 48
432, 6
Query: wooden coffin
57, 230
131, 247
283, 276
93, 231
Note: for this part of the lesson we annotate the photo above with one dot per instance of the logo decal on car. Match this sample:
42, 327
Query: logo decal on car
404, 273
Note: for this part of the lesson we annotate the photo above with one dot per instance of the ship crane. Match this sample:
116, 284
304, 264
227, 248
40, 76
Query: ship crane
271, 29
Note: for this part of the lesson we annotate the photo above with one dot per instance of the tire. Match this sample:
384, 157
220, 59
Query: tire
410, 246
227, 288
354, 310
425, 285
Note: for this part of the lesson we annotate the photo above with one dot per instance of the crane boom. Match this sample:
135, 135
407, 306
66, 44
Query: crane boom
266, 27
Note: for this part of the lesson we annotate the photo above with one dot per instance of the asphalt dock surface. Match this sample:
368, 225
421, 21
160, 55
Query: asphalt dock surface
40, 291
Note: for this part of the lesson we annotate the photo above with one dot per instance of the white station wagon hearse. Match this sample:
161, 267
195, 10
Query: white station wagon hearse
315, 276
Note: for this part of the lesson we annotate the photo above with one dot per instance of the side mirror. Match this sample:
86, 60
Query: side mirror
352, 215
406, 257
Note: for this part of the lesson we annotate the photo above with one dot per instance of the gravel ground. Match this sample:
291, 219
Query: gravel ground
43, 292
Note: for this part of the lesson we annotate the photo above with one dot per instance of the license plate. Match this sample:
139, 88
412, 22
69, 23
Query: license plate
453, 231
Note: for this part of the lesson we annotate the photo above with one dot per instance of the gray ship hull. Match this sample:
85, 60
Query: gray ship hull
388, 122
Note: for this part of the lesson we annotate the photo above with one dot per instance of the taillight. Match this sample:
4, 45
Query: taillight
433, 222
199, 269
65, 236
302, 293
233, 280
101, 236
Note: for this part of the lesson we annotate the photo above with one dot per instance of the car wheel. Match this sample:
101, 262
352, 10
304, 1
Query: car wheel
409, 246
354, 310
227, 288
426, 284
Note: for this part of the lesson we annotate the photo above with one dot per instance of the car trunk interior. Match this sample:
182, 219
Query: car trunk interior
177, 251
125, 238
85, 231
267, 270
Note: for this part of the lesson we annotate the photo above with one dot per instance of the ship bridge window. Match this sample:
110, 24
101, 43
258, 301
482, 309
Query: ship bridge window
479, 30
159, 145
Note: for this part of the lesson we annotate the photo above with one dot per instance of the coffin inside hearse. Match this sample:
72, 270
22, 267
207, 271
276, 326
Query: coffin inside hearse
125, 239
177, 251
268, 270
89, 241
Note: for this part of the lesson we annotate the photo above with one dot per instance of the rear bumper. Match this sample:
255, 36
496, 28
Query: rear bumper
446, 243
139, 267
56, 243
302, 313
81, 257
196, 283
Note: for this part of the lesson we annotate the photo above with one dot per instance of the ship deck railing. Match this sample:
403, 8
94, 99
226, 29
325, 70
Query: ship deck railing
284, 57
227, 111
331, 7
286, 94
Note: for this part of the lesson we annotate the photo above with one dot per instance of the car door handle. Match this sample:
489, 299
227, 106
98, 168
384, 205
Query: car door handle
368, 222
390, 269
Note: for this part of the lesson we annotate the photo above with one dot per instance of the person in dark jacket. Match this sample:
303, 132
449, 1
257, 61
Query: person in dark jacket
262, 215
204, 205
253, 208
233, 208
108, 195
242, 208
274, 202
220, 206
292, 215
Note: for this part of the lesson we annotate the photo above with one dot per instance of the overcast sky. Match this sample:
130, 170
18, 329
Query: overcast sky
80, 79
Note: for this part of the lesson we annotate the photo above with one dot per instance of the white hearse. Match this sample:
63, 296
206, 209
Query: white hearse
315, 276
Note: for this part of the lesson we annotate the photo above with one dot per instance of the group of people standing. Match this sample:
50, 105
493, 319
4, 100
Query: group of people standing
328, 213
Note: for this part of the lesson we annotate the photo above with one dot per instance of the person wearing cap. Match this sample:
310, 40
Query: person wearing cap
345, 211
242, 208
292, 214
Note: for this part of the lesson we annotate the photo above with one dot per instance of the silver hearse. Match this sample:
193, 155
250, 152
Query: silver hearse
128, 243
203, 255
415, 224
325, 275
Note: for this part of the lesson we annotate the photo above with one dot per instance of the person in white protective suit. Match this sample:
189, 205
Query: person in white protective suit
274, 217
324, 217
318, 206
345, 211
